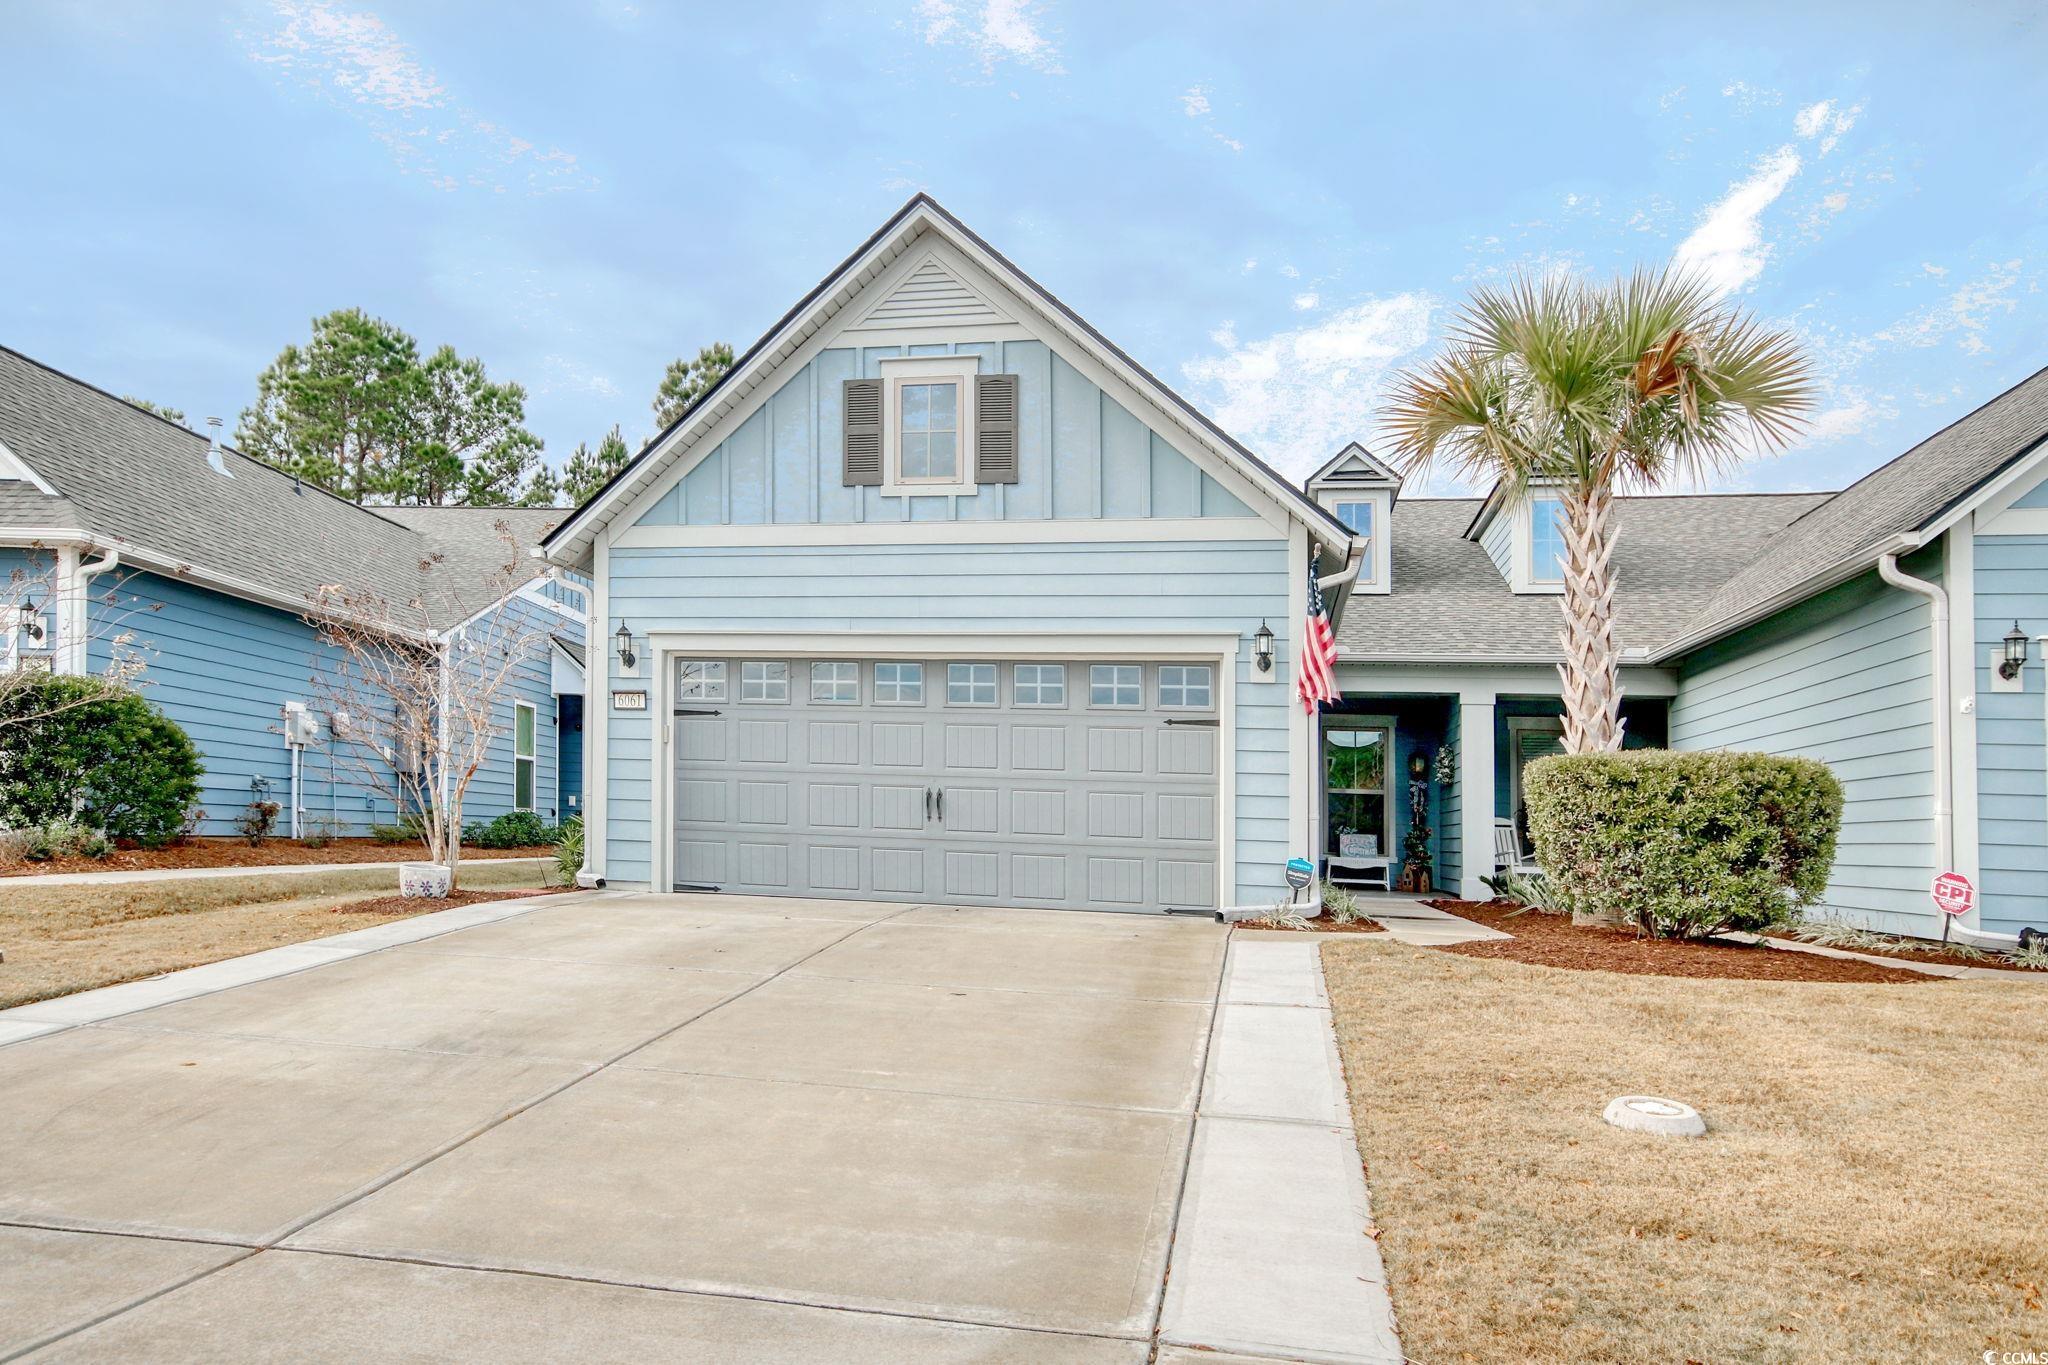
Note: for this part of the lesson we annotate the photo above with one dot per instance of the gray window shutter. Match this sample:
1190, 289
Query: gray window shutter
861, 426
995, 428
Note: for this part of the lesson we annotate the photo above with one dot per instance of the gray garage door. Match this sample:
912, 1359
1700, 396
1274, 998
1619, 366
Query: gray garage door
994, 782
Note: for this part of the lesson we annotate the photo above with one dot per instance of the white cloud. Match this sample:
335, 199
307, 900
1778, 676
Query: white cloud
1290, 272
995, 31
1748, 97
1847, 419
350, 57
1305, 301
1964, 314
1728, 246
1194, 102
1251, 263
1825, 121
1297, 396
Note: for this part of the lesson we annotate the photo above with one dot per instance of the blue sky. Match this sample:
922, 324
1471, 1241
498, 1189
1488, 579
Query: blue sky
1274, 208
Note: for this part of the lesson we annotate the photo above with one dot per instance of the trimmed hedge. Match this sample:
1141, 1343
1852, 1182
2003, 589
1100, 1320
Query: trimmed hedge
83, 750
1685, 844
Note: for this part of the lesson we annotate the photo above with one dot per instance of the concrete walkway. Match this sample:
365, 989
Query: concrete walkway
175, 874
636, 1127
1273, 1257
1410, 921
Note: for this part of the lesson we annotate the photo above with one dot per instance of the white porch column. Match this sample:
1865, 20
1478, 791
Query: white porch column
1475, 779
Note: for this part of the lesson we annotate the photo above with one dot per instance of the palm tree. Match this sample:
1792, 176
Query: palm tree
1589, 387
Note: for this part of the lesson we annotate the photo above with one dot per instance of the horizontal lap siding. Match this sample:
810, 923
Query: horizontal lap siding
1845, 679
223, 669
2011, 582
490, 791
1075, 589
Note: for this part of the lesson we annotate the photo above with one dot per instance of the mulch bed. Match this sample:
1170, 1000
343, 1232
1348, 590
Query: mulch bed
404, 905
1554, 941
1997, 962
239, 853
1315, 926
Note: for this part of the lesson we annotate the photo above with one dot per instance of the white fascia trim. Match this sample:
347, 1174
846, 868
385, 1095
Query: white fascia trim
794, 535
799, 333
530, 590
12, 466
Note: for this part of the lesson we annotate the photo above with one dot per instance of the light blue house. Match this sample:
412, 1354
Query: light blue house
940, 596
122, 530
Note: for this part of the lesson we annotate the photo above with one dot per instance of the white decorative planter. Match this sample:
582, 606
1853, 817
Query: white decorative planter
429, 880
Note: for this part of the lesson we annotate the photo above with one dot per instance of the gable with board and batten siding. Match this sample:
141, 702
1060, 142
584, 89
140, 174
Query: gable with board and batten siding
1101, 518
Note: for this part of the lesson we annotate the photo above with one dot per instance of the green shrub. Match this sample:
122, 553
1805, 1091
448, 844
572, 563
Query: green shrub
1685, 844
83, 750
514, 829
56, 839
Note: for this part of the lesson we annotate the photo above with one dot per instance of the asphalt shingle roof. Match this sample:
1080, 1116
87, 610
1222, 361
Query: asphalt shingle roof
1848, 531
126, 475
1450, 604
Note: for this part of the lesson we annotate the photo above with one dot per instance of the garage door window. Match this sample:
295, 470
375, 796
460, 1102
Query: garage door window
1116, 685
899, 684
700, 680
1041, 684
837, 683
768, 681
970, 684
1186, 686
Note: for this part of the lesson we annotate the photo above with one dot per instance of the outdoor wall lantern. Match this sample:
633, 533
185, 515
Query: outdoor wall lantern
2015, 653
1262, 648
31, 623
1418, 766
627, 658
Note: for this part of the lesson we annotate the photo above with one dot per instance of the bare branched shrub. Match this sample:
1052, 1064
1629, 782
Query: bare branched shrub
415, 703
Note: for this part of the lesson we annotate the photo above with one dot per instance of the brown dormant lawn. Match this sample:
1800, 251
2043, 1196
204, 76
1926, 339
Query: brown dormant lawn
58, 940
1870, 1187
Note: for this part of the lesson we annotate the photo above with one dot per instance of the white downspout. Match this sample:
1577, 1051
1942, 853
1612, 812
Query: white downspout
1944, 742
74, 619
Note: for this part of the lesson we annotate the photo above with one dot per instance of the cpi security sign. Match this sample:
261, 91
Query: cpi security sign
1953, 894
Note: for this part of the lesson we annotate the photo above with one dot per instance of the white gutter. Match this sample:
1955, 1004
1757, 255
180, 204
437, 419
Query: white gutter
1944, 729
81, 609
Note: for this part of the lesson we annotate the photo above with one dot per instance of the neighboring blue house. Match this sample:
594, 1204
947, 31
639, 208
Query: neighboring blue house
940, 596
128, 531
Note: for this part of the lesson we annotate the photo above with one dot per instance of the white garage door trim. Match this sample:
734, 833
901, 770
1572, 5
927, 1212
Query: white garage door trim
1218, 648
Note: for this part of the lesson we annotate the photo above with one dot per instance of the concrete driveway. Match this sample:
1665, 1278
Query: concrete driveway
626, 1128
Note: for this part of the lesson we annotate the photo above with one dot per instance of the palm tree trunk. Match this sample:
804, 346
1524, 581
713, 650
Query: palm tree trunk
1591, 672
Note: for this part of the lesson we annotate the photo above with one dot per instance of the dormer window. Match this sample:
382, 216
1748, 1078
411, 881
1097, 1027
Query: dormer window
1546, 540
1359, 491
1524, 535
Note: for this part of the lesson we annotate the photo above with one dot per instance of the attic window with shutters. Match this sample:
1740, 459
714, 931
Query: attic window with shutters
930, 425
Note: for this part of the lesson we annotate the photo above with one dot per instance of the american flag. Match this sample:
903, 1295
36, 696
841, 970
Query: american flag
1316, 680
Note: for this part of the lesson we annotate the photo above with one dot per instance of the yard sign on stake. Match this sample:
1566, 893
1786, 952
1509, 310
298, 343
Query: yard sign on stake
1953, 896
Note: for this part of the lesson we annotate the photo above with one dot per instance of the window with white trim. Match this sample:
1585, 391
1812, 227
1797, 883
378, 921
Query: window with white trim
836, 683
1546, 539
764, 680
928, 426
1359, 517
525, 750
1116, 685
1186, 686
899, 684
700, 680
970, 684
1039, 684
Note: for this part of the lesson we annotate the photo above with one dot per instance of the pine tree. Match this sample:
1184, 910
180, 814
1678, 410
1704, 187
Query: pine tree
689, 380
588, 471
